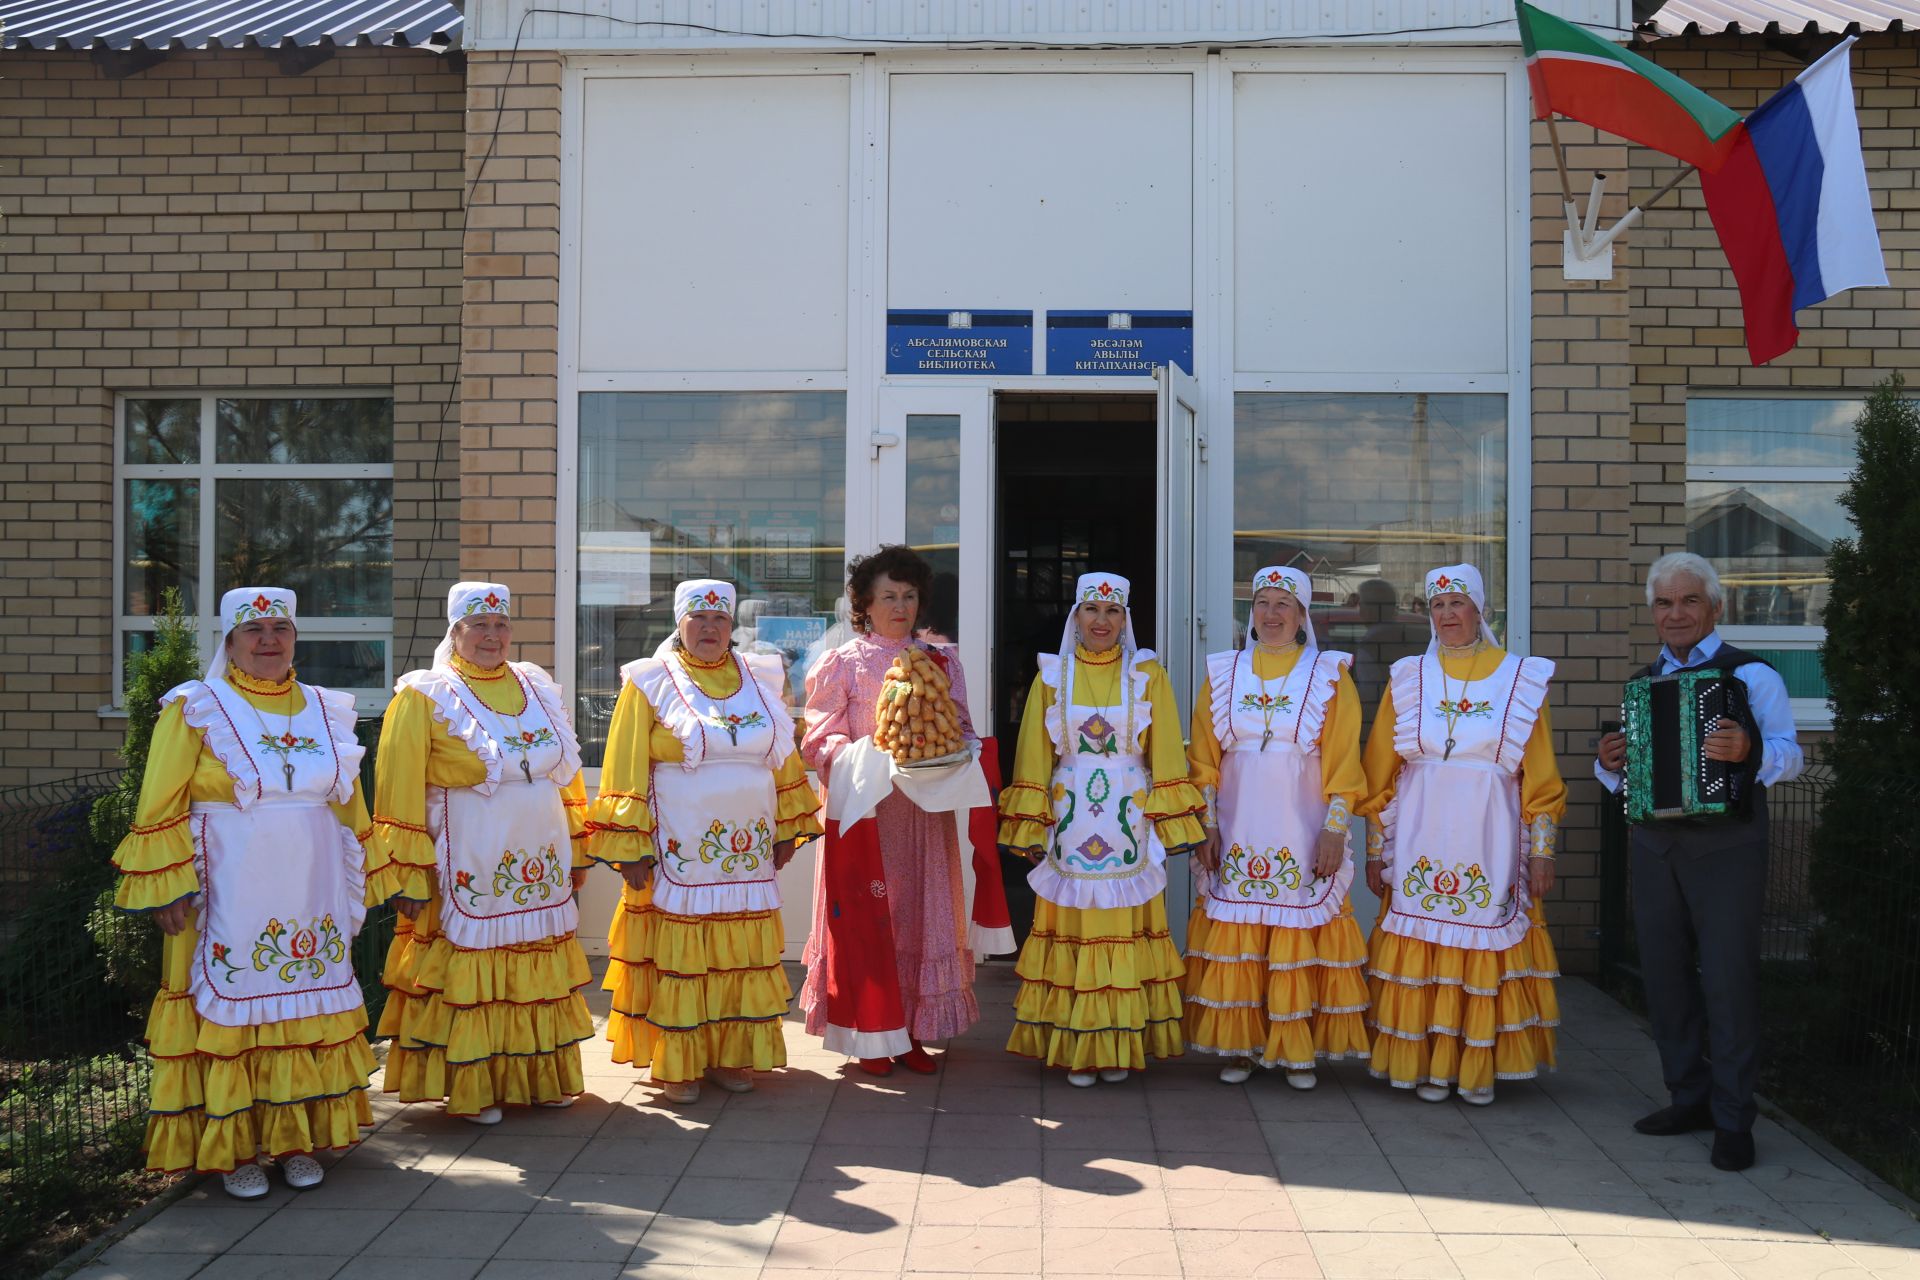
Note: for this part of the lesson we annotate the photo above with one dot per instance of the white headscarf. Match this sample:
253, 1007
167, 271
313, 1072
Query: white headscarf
1459, 579
249, 604
1297, 583
470, 600
692, 596
1114, 589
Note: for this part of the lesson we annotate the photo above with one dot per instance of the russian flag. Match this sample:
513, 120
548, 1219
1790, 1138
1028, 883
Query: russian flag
1791, 204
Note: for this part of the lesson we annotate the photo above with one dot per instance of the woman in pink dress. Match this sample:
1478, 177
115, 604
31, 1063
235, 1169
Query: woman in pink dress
919, 851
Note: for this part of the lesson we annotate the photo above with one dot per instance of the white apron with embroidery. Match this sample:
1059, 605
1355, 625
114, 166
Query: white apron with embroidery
715, 812
1271, 803
283, 882
1455, 845
1103, 850
503, 848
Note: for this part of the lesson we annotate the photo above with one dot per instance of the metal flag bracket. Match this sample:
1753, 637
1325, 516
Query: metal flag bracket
1586, 252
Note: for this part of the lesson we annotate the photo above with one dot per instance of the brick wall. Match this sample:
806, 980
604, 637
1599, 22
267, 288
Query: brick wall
1581, 577
510, 337
209, 223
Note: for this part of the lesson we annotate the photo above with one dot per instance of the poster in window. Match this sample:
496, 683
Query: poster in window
783, 540
706, 543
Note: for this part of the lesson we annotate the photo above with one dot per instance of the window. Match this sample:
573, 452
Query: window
749, 487
1764, 478
1367, 493
224, 491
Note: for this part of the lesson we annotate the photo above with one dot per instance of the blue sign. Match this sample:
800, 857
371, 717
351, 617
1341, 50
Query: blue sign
962, 342
1104, 344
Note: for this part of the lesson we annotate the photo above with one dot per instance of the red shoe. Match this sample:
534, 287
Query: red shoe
877, 1066
918, 1060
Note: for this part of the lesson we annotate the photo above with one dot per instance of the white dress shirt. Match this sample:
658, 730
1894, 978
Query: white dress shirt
1780, 756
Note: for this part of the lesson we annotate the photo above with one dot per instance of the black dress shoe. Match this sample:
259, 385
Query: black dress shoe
1668, 1121
1732, 1151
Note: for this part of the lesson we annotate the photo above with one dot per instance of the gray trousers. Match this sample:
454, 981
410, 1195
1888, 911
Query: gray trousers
1698, 892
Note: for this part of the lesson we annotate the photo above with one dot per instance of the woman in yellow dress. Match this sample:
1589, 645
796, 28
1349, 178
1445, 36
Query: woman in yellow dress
1274, 956
1099, 798
478, 793
703, 799
1465, 799
250, 850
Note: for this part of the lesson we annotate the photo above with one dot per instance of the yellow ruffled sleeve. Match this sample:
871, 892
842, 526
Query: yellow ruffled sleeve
1343, 779
156, 858
1026, 801
384, 877
1543, 792
1174, 803
796, 803
620, 826
400, 795
1381, 765
1203, 753
573, 797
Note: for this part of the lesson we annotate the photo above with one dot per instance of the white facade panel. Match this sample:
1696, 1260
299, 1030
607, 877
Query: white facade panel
706, 24
713, 228
1041, 191
1370, 223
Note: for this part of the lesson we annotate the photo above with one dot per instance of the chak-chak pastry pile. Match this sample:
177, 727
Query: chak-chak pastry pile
915, 718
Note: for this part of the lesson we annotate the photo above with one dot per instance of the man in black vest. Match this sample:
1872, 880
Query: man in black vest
1700, 887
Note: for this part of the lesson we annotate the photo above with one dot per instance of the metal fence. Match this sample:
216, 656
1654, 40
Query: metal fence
76, 978
1840, 984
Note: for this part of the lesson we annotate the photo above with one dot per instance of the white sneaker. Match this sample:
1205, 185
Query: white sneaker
302, 1172
1477, 1097
559, 1104
1113, 1075
1302, 1080
1430, 1092
1083, 1079
681, 1091
1239, 1071
248, 1182
490, 1115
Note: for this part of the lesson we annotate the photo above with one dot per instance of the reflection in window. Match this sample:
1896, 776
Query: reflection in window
745, 486
1769, 541
162, 544
305, 431
331, 541
1366, 493
933, 517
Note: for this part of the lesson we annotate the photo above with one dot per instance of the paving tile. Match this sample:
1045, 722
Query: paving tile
1319, 1138
897, 1095
1433, 1131
1064, 1100
1471, 1213
1348, 1209
831, 1248
526, 1269
143, 1266
1274, 1100
605, 1193
654, 1123
202, 1231
1114, 1172
704, 1243
1638, 1216
1339, 1173
801, 1124
1885, 1262
374, 1266
319, 1232
599, 1237
259, 1266
844, 1164
1554, 1178
1461, 1177
856, 1206
655, 1271
951, 1204
209, 1194
1363, 1255
1276, 1254
1517, 1258
521, 1151
1139, 1207
428, 1152
1227, 1170
1224, 1209
364, 1188
1096, 1133
974, 1249
1540, 1140
875, 1129
990, 1100
1617, 1257
440, 1233
657, 1159
1876, 1222
1723, 1220
1782, 1260
486, 1192
1093, 1251
1210, 1135
780, 1161
729, 1198
997, 1133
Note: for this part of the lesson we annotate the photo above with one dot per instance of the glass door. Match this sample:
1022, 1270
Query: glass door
1180, 629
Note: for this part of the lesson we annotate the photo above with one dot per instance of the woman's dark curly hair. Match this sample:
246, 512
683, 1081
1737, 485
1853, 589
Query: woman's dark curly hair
902, 564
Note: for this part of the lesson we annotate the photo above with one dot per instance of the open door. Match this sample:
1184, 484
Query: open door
1179, 639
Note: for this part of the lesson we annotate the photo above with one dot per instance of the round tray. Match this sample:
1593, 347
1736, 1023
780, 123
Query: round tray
935, 763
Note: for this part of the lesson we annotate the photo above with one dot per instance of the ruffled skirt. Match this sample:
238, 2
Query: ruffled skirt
1099, 987
695, 992
1282, 997
222, 1095
497, 1027
1448, 1016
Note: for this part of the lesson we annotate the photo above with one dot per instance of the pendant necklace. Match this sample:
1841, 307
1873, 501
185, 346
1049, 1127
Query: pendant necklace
286, 757
1267, 704
526, 699
1449, 708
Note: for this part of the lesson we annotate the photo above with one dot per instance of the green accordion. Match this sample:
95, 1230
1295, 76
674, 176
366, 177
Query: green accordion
1666, 720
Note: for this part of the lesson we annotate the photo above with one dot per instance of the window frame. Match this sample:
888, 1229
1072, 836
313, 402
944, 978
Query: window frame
1808, 713
209, 473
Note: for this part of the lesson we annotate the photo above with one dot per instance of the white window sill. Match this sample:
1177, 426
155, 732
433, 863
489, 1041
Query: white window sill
111, 712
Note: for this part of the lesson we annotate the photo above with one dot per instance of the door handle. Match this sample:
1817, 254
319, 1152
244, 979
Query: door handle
881, 440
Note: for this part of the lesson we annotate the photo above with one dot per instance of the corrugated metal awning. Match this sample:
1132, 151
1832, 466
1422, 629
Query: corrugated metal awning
160, 25
1781, 17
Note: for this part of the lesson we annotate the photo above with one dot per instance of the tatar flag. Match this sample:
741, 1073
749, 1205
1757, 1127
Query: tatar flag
1580, 76
1791, 204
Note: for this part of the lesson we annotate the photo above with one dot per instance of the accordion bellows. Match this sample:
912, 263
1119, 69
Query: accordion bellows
1666, 720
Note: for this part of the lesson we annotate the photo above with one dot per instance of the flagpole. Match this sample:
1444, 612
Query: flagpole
1672, 182
1566, 187
1632, 215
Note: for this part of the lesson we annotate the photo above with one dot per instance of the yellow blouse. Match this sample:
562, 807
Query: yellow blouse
1173, 803
1543, 793
417, 752
1341, 777
621, 830
156, 858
